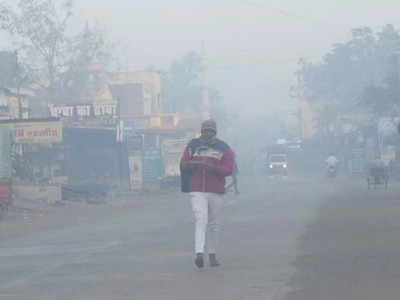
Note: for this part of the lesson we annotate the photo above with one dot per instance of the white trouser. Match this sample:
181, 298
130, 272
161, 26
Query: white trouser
206, 207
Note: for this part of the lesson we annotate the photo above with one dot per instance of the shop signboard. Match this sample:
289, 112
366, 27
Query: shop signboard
44, 132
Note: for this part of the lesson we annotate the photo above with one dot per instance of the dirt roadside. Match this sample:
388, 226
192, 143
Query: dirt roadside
351, 249
24, 217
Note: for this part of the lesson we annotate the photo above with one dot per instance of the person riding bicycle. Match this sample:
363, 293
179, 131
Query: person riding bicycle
331, 161
331, 164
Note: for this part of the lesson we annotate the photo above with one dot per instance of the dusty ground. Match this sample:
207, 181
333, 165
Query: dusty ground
296, 239
351, 249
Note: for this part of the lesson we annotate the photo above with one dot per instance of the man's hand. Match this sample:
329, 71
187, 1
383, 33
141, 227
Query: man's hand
205, 163
192, 165
208, 164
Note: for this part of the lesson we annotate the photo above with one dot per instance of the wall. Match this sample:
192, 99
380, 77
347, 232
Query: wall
151, 82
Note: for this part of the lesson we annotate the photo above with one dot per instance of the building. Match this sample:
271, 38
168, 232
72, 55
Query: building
134, 100
13, 105
151, 82
124, 95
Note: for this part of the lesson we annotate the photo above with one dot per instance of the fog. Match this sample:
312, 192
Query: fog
252, 46
133, 132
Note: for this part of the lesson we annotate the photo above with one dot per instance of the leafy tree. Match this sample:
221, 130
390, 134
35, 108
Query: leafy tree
360, 74
182, 84
218, 109
343, 72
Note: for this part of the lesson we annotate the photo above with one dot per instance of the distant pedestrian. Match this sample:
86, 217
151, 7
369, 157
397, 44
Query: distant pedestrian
205, 164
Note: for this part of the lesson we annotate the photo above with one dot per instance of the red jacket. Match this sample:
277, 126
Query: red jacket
208, 177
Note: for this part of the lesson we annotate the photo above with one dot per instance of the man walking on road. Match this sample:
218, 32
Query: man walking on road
204, 165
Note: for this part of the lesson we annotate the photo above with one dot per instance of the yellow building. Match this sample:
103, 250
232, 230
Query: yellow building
151, 82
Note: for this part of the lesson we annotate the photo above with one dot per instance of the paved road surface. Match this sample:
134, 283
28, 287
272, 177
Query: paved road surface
143, 250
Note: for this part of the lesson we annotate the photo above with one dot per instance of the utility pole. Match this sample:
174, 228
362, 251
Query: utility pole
120, 140
19, 82
204, 85
397, 66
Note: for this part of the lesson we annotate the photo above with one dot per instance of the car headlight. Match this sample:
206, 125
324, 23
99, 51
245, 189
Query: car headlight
285, 166
271, 166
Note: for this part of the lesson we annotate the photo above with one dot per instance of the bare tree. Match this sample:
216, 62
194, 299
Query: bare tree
55, 59
39, 30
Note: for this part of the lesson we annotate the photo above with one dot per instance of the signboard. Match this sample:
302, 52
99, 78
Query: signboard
38, 132
172, 150
134, 143
152, 165
174, 145
357, 161
172, 164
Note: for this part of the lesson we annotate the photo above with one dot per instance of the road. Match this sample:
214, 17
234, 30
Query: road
351, 248
271, 247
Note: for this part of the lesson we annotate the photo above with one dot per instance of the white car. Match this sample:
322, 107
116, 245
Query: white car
278, 164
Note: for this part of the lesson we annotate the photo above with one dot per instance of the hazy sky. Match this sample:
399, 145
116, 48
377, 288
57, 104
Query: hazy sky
252, 46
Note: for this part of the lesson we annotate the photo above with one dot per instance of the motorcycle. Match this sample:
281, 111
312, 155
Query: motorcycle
331, 171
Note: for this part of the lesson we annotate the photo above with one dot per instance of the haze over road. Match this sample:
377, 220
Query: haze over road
143, 250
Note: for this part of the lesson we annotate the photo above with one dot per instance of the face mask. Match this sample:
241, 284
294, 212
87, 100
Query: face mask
208, 135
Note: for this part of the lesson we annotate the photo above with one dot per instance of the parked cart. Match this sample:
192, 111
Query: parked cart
377, 175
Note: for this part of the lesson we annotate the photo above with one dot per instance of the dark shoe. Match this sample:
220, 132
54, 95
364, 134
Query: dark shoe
213, 260
199, 261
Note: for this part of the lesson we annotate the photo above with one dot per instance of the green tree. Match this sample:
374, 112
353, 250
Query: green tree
361, 74
184, 89
343, 72
182, 84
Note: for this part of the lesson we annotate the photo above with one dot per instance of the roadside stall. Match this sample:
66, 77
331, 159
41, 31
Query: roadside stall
35, 160
94, 163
